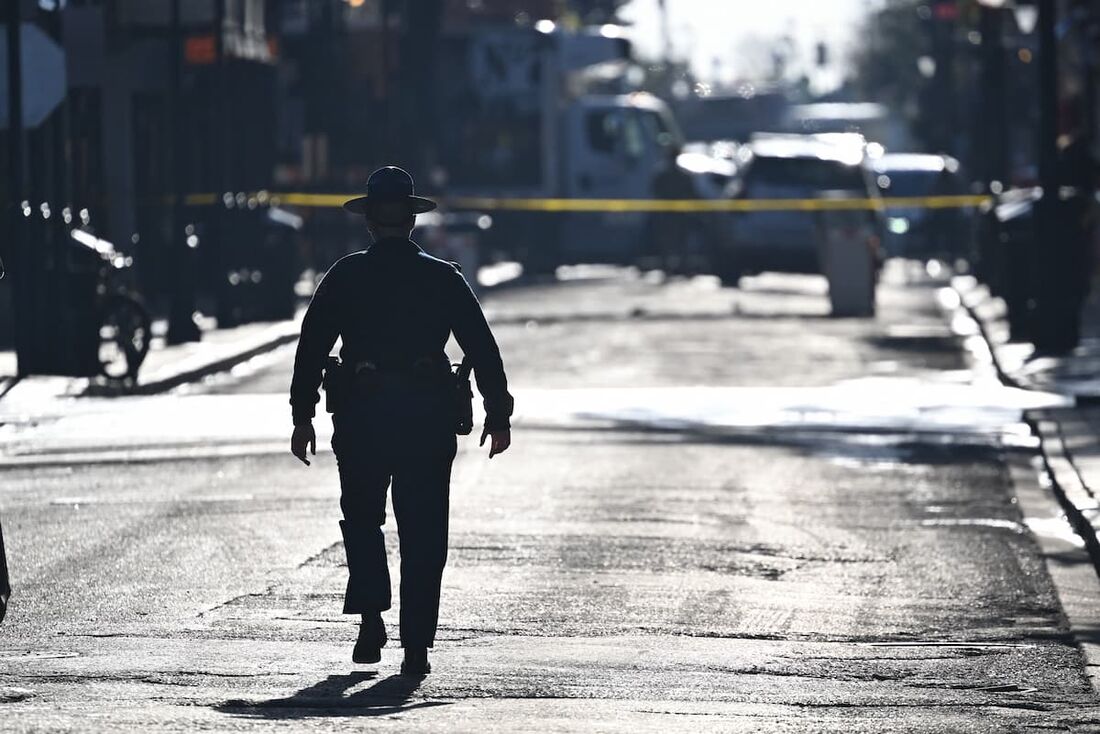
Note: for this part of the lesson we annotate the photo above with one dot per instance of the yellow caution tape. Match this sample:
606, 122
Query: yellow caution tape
725, 205
198, 199
322, 200
643, 205
960, 201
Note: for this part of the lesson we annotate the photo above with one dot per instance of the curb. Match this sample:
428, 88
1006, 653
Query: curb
1075, 497
972, 296
216, 359
1070, 489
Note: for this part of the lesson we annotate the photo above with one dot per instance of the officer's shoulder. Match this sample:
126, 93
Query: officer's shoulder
350, 260
446, 267
347, 263
340, 270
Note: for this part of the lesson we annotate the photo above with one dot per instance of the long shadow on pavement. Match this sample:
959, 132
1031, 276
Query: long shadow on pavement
329, 697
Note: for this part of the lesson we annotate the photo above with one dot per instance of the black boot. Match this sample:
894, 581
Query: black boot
372, 638
416, 661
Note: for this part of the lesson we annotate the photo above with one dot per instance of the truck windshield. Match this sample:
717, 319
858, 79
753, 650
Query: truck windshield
616, 131
605, 128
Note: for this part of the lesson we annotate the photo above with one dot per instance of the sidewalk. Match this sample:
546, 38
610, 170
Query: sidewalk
1076, 375
165, 367
1069, 437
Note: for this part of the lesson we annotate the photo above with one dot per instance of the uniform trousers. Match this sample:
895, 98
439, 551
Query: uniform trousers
396, 431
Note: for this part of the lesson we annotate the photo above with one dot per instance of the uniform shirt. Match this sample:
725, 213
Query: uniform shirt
395, 305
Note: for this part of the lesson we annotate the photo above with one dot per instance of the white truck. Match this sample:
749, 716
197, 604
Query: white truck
533, 115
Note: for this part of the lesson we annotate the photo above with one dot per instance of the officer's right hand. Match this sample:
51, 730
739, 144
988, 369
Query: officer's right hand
499, 441
302, 438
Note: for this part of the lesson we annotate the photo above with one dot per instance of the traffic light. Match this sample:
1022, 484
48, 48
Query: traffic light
945, 10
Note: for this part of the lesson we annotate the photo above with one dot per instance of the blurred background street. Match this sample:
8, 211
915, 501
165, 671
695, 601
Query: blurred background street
797, 304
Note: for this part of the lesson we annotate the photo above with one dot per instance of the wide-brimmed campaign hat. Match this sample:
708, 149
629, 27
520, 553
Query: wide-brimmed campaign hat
390, 197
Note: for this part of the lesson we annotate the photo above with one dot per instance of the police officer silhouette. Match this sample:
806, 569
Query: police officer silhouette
394, 307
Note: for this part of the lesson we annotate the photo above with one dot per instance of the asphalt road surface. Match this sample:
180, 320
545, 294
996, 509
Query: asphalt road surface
722, 511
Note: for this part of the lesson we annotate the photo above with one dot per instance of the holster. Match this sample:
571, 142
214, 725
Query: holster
464, 400
337, 384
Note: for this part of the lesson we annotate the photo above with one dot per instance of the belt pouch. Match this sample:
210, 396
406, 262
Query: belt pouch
336, 384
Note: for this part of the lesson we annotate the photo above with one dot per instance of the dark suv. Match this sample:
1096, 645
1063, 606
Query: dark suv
914, 231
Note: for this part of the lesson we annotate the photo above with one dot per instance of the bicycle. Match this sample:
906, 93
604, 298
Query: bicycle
120, 323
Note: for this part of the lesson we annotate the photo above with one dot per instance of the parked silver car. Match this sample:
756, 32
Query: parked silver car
795, 167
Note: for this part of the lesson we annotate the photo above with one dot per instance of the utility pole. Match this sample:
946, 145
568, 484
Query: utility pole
1055, 322
1048, 99
54, 184
1090, 15
422, 22
393, 91
181, 321
993, 119
1001, 263
21, 268
944, 29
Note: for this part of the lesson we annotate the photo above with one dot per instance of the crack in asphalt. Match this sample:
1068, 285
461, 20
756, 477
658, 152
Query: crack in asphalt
722, 714
903, 678
317, 557
239, 598
201, 673
15, 695
1017, 705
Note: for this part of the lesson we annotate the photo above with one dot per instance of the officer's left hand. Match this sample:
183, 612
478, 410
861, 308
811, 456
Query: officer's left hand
303, 437
500, 443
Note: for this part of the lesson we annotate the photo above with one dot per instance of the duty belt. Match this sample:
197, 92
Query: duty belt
421, 366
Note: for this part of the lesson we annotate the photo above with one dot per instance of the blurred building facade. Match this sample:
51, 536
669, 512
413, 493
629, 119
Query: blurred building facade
361, 79
1039, 160
174, 109
164, 98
